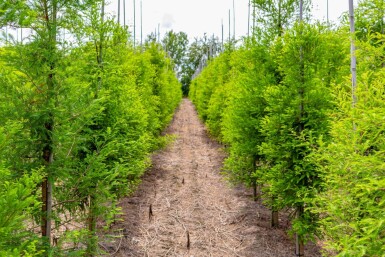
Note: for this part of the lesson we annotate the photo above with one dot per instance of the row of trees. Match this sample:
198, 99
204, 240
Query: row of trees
188, 58
282, 103
79, 117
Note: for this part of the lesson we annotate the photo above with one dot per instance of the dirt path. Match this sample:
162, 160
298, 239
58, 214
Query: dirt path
189, 198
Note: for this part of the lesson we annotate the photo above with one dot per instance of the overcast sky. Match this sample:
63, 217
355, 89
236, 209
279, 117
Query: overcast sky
196, 17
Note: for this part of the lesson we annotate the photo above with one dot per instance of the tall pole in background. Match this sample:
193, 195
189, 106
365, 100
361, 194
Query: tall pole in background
254, 14
119, 12
327, 11
248, 21
301, 11
124, 13
134, 23
222, 34
234, 19
229, 25
158, 32
353, 64
141, 23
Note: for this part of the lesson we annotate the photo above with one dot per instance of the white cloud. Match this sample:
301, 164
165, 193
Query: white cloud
168, 21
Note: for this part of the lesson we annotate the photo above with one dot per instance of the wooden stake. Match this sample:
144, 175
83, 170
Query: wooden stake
188, 239
274, 219
255, 195
150, 213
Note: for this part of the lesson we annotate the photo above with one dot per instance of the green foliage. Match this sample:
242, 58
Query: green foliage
270, 105
99, 110
297, 115
369, 19
274, 16
242, 119
199, 51
17, 204
214, 77
175, 45
352, 168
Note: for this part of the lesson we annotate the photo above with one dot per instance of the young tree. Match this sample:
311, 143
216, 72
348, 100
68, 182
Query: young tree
274, 16
246, 108
369, 18
43, 17
199, 53
83, 122
175, 45
297, 115
352, 202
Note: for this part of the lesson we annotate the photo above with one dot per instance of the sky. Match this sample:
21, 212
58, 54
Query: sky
196, 17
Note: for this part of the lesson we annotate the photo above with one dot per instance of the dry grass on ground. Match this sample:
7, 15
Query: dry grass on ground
194, 212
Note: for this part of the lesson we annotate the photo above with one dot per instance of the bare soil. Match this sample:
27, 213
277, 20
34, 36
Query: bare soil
185, 207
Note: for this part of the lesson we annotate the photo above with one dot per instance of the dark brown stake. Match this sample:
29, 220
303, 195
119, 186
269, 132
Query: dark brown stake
183, 181
125, 233
255, 193
188, 240
274, 219
55, 240
150, 214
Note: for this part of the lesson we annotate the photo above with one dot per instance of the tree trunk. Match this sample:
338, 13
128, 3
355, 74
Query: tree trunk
91, 224
279, 24
47, 150
274, 214
299, 245
91, 220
